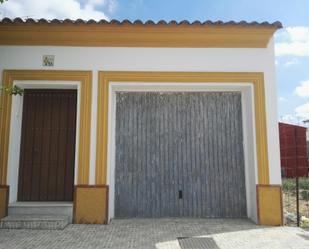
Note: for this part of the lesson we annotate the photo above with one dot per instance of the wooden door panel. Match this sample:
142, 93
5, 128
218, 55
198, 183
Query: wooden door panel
37, 146
46, 137
47, 145
70, 155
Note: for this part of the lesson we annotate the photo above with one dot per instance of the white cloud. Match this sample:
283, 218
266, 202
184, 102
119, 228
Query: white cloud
298, 34
302, 111
303, 89
60, 9
291, 62
96, 2
111, 5
289, 119
293, 41
281, 99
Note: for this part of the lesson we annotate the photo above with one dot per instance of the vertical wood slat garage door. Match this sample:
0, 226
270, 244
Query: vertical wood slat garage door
47, 155
179, 155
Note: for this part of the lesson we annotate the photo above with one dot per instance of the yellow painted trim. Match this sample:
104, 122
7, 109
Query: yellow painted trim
110, 35
269, 205
90, 204
85, 79
257, 79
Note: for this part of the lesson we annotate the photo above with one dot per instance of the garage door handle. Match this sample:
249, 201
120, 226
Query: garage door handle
180, 194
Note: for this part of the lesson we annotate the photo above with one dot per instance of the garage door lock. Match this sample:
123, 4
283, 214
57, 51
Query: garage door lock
180, 194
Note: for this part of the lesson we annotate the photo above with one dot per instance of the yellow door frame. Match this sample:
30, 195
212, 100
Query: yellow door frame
256, 78
85, 79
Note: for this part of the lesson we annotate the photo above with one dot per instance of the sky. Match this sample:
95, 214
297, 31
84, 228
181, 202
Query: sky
291, 43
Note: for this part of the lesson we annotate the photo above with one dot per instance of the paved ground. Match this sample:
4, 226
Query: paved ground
160, 234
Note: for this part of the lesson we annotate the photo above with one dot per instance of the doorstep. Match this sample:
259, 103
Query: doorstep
40, 204
42, 208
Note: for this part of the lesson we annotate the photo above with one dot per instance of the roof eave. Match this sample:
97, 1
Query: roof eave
137, 34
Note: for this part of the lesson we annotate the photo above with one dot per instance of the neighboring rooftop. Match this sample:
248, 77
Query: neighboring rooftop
125, 33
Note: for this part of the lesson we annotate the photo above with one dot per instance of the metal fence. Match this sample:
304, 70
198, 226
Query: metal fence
296, 201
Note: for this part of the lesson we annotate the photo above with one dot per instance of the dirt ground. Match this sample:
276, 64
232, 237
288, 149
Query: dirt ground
289, 205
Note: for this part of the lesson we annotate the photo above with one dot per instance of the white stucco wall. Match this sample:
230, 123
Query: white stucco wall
157, 59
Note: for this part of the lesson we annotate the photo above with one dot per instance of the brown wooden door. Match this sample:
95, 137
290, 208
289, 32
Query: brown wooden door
47, 154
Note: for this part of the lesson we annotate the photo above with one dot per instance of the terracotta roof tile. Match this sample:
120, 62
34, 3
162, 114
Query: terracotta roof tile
18, 20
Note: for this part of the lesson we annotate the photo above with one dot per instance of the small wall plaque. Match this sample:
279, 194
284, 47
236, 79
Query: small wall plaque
48, 60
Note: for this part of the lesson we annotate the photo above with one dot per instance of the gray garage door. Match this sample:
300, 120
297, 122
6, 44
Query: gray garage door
179, 155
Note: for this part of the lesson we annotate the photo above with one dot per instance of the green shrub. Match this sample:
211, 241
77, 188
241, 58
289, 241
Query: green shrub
305, 195
288, 184
304, 222
304, 183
